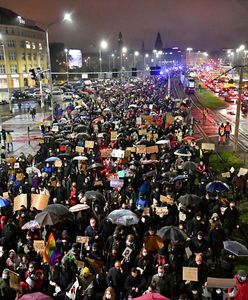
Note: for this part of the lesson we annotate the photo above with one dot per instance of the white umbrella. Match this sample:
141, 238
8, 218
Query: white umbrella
78, 207
133, 106
162, 142
80, 157
182, 153
123, 217
30, 170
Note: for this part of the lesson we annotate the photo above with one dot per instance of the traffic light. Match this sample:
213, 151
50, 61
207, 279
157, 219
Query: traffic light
32, 74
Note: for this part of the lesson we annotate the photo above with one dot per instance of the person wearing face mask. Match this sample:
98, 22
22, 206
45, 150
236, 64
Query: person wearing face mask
216, 237
241, 285
6, 292
143, 263
197, 224
202, 273
230, 219
162, 283
198, 244
218, 293
109, 294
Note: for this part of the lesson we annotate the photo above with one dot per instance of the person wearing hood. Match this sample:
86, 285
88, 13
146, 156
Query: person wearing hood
6, 292
241, 285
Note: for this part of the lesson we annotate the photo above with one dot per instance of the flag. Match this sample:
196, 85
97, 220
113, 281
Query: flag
50, 253
73, 290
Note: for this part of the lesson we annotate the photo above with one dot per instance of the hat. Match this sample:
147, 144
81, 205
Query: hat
242, 273
200, 233
85, 271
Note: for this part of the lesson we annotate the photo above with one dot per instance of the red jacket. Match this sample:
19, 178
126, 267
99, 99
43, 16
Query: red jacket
242, 288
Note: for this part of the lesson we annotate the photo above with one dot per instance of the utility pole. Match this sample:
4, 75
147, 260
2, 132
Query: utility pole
237, 120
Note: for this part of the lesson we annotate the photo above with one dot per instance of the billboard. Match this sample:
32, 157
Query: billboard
75, 58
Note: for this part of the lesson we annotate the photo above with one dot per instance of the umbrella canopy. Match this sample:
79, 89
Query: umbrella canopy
3, 202
150, 173
189, 199
52, 159
217, 187
36, 296
57, 209
123, 217
65, 142
163, 142
153, 243
47, 218
180, 177
171, 233
182, 152
189, 166
83, 135
94, 195
80, 128
31, 170
236, 248
80, 157
33, 224
79, 207
151, 296
189, 138
95, 166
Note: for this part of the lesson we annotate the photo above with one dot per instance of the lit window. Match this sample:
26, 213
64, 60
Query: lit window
12, 55
33, 45
13, 69
11, 44
28, 46
2, 69
24, 68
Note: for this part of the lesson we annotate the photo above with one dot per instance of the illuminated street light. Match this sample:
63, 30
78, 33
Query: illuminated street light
103, 46
67, 65
136, 54
123, 52
189, 49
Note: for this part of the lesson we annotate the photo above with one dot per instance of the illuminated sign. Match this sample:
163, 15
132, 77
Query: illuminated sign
74, 58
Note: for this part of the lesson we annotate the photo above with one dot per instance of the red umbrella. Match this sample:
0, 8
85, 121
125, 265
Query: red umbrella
151, 296
189, 138
36, 296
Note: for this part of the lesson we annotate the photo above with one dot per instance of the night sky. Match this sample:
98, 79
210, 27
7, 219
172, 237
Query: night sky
204, 25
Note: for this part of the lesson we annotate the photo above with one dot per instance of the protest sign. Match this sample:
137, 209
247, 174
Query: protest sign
226, 175
131, 149
208, 146
142, 132
19, 201
82, 239
138, 121
167, 199
89, 144
169, 118
14, 281
126, 253
6, 195
162, 211
39, 201
16, 165
127, 153
106, 153
79, 149
113, 176
141, 149
152, 149
121, 174
190, 274
242, 171
148, 119
117, 153
116, 183
220, 282
113, 135
58, 163
55, 128
39, 246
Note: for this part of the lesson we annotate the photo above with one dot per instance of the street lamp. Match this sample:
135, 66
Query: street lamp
145, 56
103, 45
6, 70
67, 65
67, 18
189, 49
123, 52
113, 60
136, 54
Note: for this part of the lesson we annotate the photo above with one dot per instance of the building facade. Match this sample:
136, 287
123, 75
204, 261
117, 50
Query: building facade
22, 47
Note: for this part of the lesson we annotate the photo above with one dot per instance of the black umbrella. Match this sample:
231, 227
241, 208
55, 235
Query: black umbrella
81, 128
59, 141
95, 196
180, 177
236, 248
95, 166
57, 209
64, 155
189, 199
189, 166
65, 142
47, 218
171, 233
83, 135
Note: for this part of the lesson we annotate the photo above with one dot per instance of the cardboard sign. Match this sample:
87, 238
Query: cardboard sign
6, 195
116, 183
117, 153
146, 211
131, 149
106, 153
138, 121
39, 201
113, 135
220, 282
58, 163
89, 144
14, 281
127, 153
19, 201
141, 149
226, 175
190, 274
168, 199
243, 171
55, 128
39, 246
162, 211
148, 119
152, 149
169, 118
82, 239
208, 146
142, 132
79, 149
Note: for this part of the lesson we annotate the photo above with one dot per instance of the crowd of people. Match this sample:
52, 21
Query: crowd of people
140, 203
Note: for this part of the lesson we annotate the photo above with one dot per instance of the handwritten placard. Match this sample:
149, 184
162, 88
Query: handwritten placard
19, 201
190, 274
39, 246
131, 149
169, 118
14, 281
162, 211
208, 146
82, 239
117, 153
220, 282
6, 195
58, 163
226, 175
152, 149
55, 128
117, 183
142, 132
89, 144
141, 149
106, 153
243, 171
39, 201
113, 135
167, 199
79, 149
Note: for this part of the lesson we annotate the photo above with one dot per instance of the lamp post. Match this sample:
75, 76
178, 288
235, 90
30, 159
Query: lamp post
67, 17
145, 56
189, 49
113, 60
123, 52
6, 71
67, 65
103, 45
136, 54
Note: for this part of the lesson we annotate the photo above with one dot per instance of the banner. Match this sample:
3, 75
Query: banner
106, 153
220, 282
117, 153
39, 201
89, 144
162, 211
190, 274
19, 201
79, 149
168, 199
152, 149
141, 149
